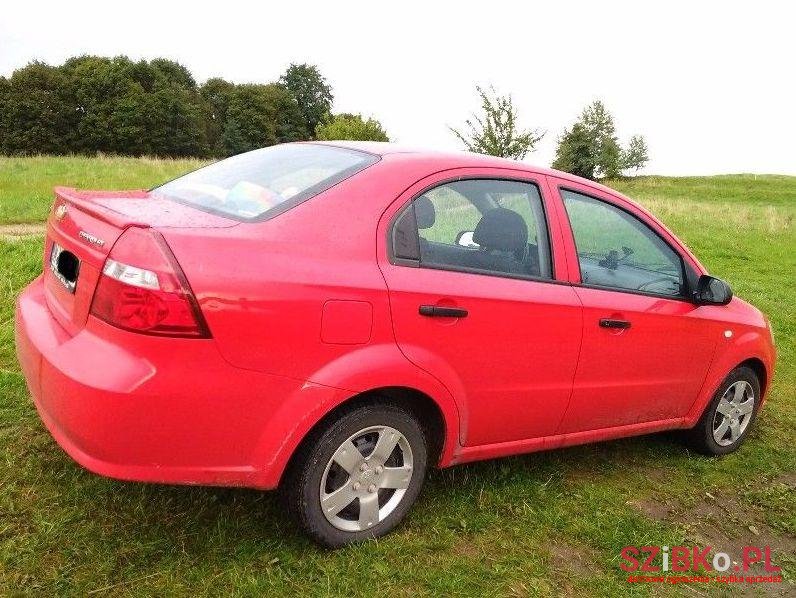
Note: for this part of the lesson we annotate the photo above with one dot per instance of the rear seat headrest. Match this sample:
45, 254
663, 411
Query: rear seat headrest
425, 212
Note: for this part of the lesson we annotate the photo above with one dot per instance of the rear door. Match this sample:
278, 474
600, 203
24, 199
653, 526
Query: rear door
646, 349
471, 278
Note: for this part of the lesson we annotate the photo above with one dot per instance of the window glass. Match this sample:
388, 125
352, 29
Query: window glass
250, 185
484, 225
453, 213
616, 249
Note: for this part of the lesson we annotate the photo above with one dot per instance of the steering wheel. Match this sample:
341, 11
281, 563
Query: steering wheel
655, 281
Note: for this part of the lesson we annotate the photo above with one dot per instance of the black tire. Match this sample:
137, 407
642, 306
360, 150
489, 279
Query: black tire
301, 486
701, 438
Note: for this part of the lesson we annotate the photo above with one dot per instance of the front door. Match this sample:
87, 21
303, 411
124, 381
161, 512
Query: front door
474, 302
646, 350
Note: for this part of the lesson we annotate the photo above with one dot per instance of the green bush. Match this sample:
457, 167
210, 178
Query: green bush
352, 127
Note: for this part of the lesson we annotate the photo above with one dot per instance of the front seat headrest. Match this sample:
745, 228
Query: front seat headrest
425, 214
501, 229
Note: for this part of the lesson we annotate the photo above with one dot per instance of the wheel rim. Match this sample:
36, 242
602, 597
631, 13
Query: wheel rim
366, 478
733, 413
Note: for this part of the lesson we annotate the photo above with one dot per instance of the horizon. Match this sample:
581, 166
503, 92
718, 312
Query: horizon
687, 85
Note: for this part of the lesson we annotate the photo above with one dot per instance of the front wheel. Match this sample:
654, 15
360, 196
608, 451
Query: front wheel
358, 476
728, 418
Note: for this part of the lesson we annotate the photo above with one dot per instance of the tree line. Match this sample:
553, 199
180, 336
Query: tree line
590, 148
116, 105
93, 104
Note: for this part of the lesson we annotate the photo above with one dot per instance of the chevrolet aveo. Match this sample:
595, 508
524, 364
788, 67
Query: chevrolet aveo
333, 319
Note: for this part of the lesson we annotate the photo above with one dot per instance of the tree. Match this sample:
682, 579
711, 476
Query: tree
120, 106
599, 125
174, 125
248, 125
260, 115
284, 111
173, 72
135, 108
35, 112
635, 157
313, 95
495, 132
215, 94
591, 148
574, 153
350, 126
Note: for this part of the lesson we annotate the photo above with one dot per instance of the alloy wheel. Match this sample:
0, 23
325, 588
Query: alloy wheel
733, 413
366, 478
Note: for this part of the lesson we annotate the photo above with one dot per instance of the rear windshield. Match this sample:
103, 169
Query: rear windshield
265, 182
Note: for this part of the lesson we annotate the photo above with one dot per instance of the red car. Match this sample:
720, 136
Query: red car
331, 319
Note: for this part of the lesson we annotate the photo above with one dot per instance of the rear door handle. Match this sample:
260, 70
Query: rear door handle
609, 323
437, 311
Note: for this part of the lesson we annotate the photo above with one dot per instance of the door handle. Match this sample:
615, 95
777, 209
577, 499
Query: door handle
437, 311
609, 323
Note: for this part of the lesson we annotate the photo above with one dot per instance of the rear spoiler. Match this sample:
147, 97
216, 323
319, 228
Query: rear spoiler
99, 203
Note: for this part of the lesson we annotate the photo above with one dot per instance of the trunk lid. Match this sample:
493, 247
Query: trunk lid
81, 230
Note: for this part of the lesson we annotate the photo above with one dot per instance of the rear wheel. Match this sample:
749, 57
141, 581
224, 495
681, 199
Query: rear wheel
358, 476
729, 417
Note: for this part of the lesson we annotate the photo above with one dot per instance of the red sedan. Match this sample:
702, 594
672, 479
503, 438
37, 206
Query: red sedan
331, 319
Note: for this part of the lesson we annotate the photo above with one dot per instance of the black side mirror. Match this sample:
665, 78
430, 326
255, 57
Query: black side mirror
712, 291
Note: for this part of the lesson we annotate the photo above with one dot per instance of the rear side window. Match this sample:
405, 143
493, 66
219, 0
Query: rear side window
479, 225
265, 182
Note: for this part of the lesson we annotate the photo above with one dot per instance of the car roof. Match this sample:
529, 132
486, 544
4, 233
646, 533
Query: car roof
458, 159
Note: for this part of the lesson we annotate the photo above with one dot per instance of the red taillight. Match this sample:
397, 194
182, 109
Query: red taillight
143, 289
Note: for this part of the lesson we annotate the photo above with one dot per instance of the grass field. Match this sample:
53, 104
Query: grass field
543, 524
26, 184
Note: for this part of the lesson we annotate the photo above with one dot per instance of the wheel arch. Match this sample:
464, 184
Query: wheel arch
751, 350
360, 376
759, 368
421, 405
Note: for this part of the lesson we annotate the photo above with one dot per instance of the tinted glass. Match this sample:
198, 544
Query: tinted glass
252, 185
484, 225
616, 249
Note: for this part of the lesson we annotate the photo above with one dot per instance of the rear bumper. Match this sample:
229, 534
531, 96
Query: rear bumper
145, 408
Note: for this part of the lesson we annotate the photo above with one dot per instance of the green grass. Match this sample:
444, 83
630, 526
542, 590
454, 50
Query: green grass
544, 524
26, 184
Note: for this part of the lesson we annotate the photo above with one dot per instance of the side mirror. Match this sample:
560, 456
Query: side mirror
465, 239
712, 291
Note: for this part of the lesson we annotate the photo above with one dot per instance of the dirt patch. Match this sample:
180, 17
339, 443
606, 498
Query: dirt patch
569, 561
728, 524
567, 556
466, 547
654, 509
13, 232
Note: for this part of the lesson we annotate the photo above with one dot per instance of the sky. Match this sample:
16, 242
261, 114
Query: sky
710, 85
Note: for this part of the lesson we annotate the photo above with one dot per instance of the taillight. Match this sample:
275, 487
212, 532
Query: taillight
143, 289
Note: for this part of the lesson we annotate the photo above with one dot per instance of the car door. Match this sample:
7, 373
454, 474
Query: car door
646, 349
474, 300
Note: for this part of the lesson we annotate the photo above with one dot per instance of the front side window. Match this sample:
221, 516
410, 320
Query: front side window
266, 181
482, 225
617, 250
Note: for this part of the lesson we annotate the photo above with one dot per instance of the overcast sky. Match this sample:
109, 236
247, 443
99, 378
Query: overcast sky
712, 86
